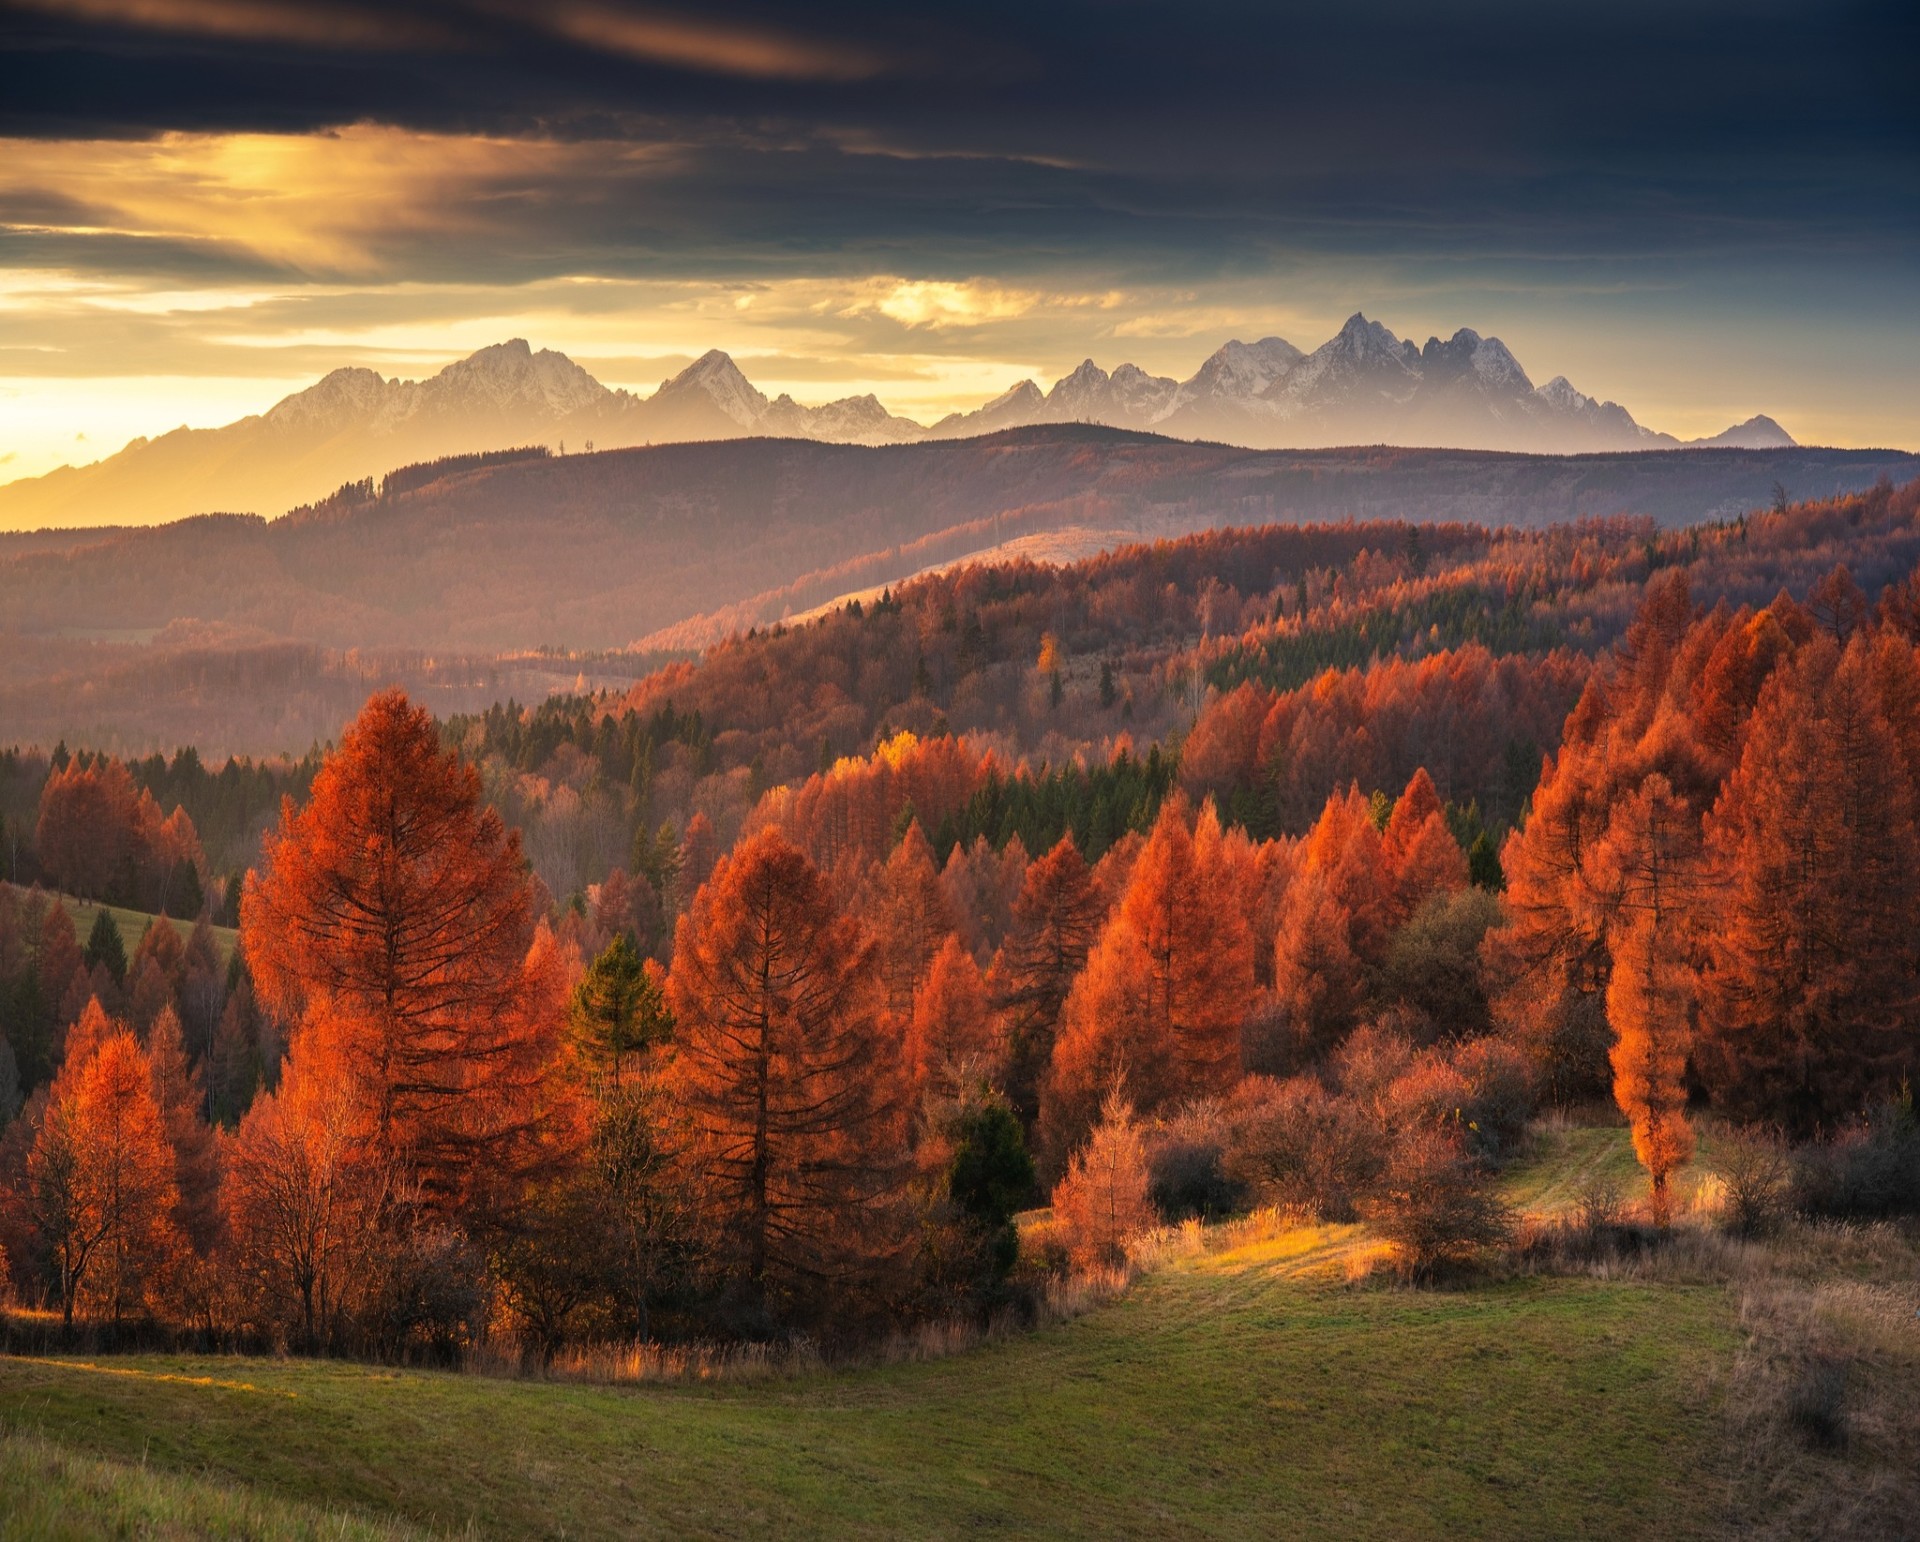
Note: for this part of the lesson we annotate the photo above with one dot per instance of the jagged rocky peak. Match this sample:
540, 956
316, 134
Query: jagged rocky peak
1467, 356
511, 374
1367, 342
715, 375
336, 398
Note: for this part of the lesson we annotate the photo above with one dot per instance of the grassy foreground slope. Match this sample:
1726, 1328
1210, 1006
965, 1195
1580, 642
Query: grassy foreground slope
50, 1492
1250, 1393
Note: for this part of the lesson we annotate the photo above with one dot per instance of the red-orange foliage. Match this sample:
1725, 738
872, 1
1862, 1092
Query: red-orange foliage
1223, 751
1551, 960
301, 1192
1418, 849
1811, 989
100, 837
101, 1176
849, 814
791, 1081
1104, 1198
394, 914
907, 910
1348, 853
951, 1039
981, 887
1055, 921
180, 1094
699, 850
1318, 982
1164, 992
1648, 862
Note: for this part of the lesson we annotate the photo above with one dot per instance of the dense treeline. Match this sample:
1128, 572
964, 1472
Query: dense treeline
1451, 647
159, 834
794, 1068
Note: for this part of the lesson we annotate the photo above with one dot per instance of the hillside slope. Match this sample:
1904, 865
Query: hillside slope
1242, 1395
599, 550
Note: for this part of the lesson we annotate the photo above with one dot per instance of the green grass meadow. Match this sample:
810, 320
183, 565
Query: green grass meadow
1252, 1393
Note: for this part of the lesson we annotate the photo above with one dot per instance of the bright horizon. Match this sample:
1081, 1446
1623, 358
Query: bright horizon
931, 207
76, 420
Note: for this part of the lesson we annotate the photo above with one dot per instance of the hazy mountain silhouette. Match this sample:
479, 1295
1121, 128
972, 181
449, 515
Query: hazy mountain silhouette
1363, 386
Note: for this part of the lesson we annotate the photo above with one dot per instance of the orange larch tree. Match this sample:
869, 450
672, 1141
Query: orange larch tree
907, 910
395, 910
1104, 1198
951, 1038
1419, 850
101, 1180
1318, 983
1164, 992
181, 1096
1811, 990
1055, 920
791, 1078
1648, 865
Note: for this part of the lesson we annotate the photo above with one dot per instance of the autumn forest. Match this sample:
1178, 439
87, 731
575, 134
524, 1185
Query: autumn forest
1293, 870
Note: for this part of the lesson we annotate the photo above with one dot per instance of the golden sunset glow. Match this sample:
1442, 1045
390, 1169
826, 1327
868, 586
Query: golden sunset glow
1090, 769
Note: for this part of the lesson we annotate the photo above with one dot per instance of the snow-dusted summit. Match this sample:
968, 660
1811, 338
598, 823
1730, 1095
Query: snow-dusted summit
1362, 386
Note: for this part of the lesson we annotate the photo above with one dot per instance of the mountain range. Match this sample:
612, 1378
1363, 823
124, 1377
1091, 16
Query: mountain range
1362, 386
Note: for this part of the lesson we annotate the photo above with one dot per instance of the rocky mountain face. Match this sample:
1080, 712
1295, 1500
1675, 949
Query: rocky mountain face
1362, 386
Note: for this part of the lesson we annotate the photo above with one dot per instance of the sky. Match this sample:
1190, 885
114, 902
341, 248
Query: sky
1703, 209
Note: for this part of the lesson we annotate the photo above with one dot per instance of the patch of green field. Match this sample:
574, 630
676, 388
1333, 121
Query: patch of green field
1565, 1161
1244, 1394
133, 925
52, 1495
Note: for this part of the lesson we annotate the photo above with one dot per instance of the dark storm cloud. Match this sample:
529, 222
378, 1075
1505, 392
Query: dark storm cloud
1488, 126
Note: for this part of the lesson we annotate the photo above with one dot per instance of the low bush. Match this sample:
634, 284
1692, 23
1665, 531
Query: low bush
1869, 1170
1435, 1203
1297, 1146
1433, 963
1187, 1166
1817, 1403
1501, 1098
1754, 1170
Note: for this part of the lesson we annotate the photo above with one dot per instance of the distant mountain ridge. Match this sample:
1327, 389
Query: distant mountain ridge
1362, 386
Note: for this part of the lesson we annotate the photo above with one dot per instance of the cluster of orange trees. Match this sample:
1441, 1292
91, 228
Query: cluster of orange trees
103, 838
823, 1102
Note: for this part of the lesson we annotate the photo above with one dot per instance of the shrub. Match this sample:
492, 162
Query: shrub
1434, 1203
1044, 1248
1296, 1146
1752, 1165
1371, 1061
427, 1295
1598, 1204
1430, 1093
1816, 1406
1872, 1169
991, 1176
1433, 963
1500, 1097
1187, 1166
